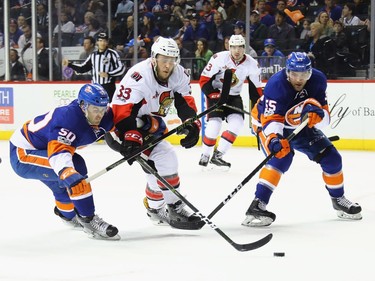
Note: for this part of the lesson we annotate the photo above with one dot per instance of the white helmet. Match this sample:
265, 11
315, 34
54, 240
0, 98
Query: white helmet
237, 40
167, 47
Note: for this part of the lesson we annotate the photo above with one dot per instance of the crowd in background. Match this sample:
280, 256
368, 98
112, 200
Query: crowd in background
334, 34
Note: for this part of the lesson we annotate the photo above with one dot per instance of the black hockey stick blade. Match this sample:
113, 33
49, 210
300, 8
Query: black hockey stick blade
334, 138
239, 247
253, 246
222, 100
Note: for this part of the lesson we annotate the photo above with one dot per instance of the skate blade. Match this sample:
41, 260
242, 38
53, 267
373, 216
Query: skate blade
252, 221
99, 237
159, 223
213, 167
346, 216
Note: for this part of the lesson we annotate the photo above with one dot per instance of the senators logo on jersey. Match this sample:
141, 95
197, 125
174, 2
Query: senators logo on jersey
165, 102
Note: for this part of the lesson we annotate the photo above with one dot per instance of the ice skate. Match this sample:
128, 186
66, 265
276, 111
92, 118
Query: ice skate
217, 160
346, 209
97, 228
182, 218
73, 223
203, 162
257, 215
157, 216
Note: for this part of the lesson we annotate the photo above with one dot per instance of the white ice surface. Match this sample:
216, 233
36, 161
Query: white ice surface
36, 246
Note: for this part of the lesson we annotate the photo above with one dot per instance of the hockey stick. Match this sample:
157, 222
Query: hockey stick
237, 109
28, 69
226, 200
239, 247
223, 98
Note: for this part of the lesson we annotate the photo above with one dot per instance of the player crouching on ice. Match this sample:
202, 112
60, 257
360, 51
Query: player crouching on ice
292, 94
44, 149
147, 92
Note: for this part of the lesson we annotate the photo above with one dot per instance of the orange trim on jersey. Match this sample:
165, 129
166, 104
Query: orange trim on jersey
54, 147
229, 136
122, 111
154, 195
270, 175
191, 102
23, 157
65, 207
209, 142
271, 118
334, 180
203, 80
173, 180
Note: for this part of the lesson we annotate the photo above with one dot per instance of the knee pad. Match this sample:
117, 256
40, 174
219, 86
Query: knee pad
235, 123
330, 160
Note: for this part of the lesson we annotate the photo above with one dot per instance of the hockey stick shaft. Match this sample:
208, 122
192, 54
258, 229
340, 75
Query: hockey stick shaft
223, 98
239, 247
238, 109
238, 188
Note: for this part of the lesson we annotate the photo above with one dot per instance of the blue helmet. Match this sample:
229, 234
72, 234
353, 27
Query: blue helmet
93, 94
298, 62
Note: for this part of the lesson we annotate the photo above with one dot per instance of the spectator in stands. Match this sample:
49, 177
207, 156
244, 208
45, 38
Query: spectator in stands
21, 21
306, 30
14, 33
88, 47
124, 6
226, 43
281, 30
195, 30
96, 7
25, 39
94, 29
84, 28
202, 54
148, 31
74, 15
17, 70
339, 37
258, 30
265, 17
281, 6
42, 20
219, 6
66, 25
207, 15
181, 31
349, 19
237, 11
142, 53
272, 59
180, 9
360, 8
43, 63
333, 10
240, 28
221, 28
326, 22
315, 46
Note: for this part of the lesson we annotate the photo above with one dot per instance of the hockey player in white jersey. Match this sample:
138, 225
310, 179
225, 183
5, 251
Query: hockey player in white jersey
244, 67
144, 97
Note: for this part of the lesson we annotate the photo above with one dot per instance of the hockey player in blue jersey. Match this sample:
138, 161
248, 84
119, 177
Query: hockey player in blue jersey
45, 149
292, 94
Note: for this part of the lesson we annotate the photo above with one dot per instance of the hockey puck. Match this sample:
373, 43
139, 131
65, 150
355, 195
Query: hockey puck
279, 254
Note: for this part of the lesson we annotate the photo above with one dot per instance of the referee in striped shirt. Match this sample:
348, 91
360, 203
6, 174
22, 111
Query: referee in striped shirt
104, 63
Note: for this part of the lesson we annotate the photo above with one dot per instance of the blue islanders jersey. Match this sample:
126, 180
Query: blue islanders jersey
60, 132
281, 105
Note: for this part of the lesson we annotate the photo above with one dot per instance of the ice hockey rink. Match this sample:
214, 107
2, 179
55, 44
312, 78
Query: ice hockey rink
36, 246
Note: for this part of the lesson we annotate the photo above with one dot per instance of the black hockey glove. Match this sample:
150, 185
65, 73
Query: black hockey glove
192, 134
132, 141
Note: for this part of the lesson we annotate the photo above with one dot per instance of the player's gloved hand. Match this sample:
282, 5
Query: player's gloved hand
192, 134
132, 141
75, 183
312, 110
278, 145
154, 125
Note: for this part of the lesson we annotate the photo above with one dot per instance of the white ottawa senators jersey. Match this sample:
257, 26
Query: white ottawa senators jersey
139, 85
221, 61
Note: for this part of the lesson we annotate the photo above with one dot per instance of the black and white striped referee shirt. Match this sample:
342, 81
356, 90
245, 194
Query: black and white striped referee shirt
107, 61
